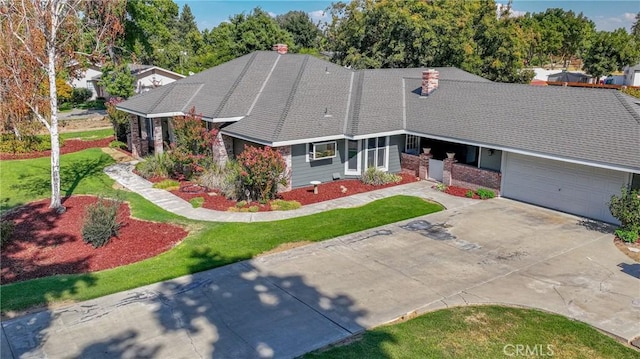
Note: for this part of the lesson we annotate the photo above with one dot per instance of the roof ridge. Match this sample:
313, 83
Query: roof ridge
161, 98
235, 84
186, 105
627, 106
287, 105
357, 100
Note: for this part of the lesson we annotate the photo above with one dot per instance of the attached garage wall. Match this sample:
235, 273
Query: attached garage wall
567, 187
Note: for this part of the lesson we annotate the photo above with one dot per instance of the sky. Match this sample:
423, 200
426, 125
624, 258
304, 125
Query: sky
607, 15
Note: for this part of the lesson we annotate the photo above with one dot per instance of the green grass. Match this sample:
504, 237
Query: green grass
197, 202
81, 172
482, 332
88, 135
211, 245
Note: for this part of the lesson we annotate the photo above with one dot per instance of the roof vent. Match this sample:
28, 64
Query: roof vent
281, 48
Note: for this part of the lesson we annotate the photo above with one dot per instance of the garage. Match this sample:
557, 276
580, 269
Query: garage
567, 187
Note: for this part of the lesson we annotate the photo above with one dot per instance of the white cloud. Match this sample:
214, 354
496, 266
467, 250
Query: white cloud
318, 16
272, 14
610, 23
512, 12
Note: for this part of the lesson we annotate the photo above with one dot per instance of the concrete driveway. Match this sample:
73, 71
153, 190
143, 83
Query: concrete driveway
289, 303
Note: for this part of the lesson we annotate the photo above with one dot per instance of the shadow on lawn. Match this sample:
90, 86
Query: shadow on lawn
71, 174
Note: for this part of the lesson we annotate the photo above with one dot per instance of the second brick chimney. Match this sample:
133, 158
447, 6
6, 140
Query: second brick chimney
281, 48
429, 81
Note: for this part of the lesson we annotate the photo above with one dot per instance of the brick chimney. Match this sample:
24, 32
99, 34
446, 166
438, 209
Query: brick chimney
281, 48
429, 81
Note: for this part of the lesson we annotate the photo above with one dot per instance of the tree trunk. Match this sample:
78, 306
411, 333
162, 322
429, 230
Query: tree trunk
56, 202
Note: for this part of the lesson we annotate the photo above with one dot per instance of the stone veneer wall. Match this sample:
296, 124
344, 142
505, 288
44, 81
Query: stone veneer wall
285, 151
158, 146
410, 164
473, 178
135, 136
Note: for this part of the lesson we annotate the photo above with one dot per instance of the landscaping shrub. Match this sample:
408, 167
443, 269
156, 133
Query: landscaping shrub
67, 106
377, 177
626, 209
9, 143
80, 95
469, 194
159, 165
262, 170
282, 205
6, 230
626, 235
441, 187
118, 144
484, 193
168, 184
197, 202
241, 204
192, 152
253, 209
101, 222
225, 179
119, 119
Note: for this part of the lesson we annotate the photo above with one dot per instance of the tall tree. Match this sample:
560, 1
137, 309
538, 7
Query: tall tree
298, 23
40, 38
635, 28
611, 51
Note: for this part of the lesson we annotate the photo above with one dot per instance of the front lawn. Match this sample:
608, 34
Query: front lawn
483, 332
88, 135
28, 180
212, 245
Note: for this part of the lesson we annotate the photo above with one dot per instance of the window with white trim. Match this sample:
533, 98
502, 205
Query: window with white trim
377, 152
323, 150
352, 163
412, 144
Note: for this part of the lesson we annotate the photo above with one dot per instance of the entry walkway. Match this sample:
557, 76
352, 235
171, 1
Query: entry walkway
123, 174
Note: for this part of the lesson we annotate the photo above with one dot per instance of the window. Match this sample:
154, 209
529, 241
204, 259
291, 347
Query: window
377, 152
323, 150
412, 145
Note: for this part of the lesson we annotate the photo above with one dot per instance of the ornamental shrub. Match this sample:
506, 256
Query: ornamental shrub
626, 209
168, 184
6, 230
101, 222
628, 236
225, 179
80, 95
484, 193
197, 202
158, 165
193, 150
282, 205
118, 144
377, 177
262, 170
469, 194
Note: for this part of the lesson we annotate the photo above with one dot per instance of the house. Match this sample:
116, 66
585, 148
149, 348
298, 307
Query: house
566, 76
632, 75
559, 147
147, 78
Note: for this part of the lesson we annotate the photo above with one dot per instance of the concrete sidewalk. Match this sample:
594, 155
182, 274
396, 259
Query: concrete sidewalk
123, 174
289, 303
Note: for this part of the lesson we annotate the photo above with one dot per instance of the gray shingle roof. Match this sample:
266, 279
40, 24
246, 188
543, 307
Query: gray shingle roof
574, 123
289, 98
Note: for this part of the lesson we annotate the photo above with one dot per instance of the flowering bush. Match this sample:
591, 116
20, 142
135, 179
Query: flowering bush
193, 150
262, 169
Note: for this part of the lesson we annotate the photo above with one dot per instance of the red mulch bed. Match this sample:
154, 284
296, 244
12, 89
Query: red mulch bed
460, 192
68, 147
45, 243
304, 195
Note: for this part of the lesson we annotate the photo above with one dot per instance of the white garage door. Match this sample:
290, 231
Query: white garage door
567, 187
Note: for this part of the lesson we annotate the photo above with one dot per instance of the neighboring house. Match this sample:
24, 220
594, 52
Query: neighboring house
86, 80
147, 78
559, 147
632, 75
566, 76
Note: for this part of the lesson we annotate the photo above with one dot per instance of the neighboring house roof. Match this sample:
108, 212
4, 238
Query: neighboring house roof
140, 71
285, 99
566, 76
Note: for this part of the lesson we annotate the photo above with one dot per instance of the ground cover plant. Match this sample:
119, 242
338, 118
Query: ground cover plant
482, 332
